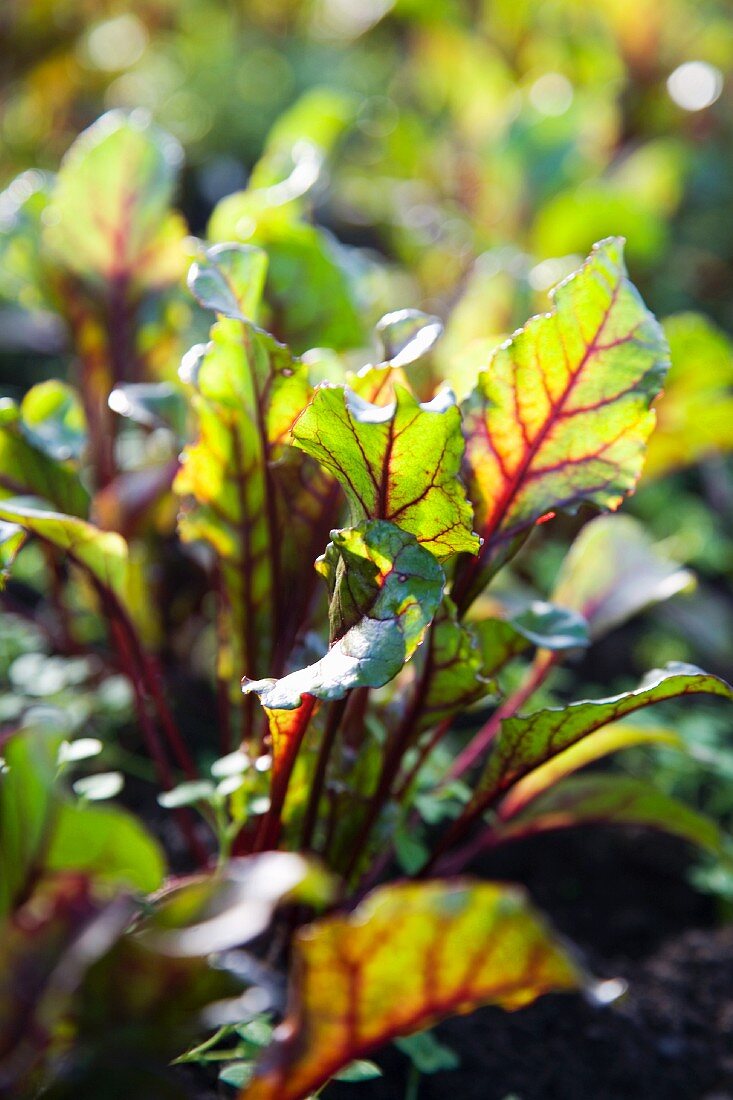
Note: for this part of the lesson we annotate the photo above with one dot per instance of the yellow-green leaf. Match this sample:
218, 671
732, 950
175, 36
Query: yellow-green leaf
408, 956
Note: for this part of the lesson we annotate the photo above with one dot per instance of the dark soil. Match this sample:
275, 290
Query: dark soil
624, 901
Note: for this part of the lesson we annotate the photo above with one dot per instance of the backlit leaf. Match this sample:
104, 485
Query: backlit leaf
103, 554
561, 415
611, 738
397, 589
230, 279
612, 571
108, 218
611, 799
398, 462
53, 420
248, 391
695, 414
409, 955
27, 470
12, 538
526, 742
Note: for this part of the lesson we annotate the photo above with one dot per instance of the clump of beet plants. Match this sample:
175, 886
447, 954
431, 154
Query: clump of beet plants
340, 544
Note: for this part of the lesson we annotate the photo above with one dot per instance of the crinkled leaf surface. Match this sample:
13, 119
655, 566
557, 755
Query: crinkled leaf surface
611, 799
108, 218
398, 462
561, 415
695, 414
527, 741
383, 616
408, 956
612, 571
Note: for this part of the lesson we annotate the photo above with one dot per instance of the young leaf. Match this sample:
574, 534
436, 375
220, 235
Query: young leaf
526, 742
379, 621
108, 219
248, 392
399, 462
562, 414
611, 799
408, 956
230, 279
612, 571
107, 843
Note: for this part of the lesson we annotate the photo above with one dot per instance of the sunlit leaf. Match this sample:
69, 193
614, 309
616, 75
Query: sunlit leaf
248, 391
408, 956
407, 334
23, 278
26, 470
612, 571
615, 800
399, 462
561, 415
378, 624
12, 538
611, 738
695, 415
230, 279
526, 742
53, 420
108, 219
232, 906
103, 554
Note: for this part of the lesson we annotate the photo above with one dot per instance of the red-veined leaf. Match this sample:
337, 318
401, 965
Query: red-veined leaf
408, 956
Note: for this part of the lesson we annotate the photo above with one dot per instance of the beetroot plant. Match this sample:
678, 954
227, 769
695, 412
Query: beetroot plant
324, 551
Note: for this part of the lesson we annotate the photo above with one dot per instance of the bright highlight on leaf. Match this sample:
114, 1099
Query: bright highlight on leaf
408, 956
562, 413
397, 586
398, 462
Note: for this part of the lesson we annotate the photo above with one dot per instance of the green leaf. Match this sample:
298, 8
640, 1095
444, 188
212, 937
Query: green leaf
27, 470
551, 627
399, 462
460, 673
359, 1070
107, 843
397, 589
26, 808
611, 738
695, 413
103, 554
53, 420
406, 335
12, 538
248, 392
230, 279
427, 1054
108, 218
611, 799
612, 571
561, 416
409, 955
23, 278
526, 742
